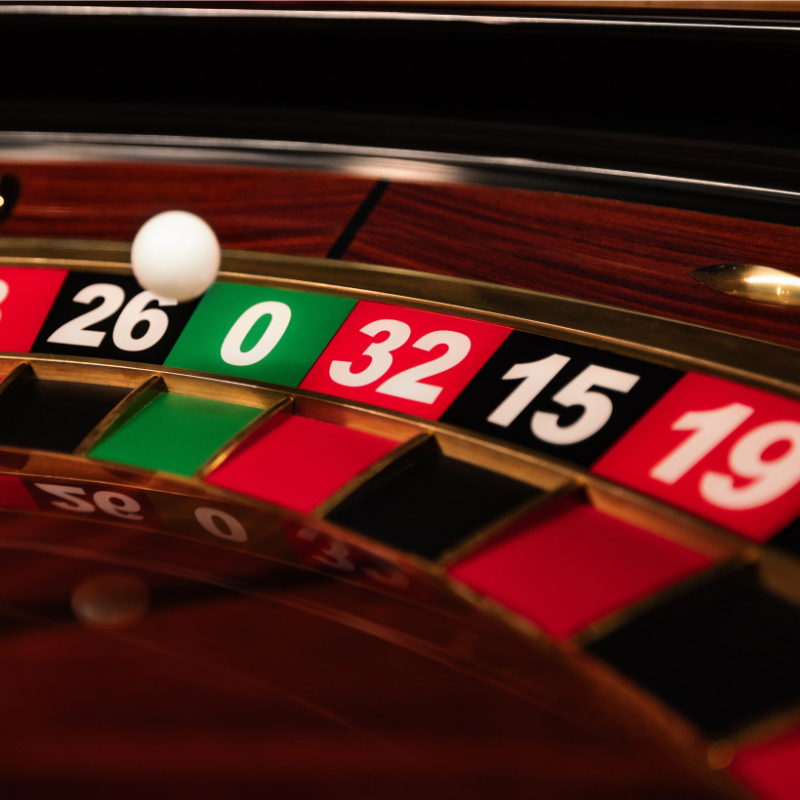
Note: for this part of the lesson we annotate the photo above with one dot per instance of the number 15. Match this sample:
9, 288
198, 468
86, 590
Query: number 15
597, 407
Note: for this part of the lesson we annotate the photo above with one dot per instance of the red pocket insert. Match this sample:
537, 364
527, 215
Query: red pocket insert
300, 462
570, 565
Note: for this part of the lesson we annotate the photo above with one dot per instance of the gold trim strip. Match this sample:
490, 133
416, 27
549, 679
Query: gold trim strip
501, 525
663, 520
218, 458
526, 465
128, 407
21, 373
765, 729
367, 419
83, 369
324, 508
619, 619
780, 573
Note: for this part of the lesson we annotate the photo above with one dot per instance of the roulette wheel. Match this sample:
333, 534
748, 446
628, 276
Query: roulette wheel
473, 474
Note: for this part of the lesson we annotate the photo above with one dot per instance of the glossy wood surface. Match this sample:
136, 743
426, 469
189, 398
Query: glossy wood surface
282, 211
298, 687
625, 255
621, 254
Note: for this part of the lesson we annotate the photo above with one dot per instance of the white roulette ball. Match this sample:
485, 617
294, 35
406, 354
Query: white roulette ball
176, 255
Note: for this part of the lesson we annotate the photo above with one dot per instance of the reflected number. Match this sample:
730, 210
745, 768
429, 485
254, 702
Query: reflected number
71, 498
336, 555
231, 529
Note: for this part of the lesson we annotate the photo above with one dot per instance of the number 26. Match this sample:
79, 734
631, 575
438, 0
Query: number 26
75, 331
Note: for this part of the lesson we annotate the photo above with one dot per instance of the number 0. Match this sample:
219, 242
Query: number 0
232, 352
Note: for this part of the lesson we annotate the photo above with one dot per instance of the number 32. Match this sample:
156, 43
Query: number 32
405, 384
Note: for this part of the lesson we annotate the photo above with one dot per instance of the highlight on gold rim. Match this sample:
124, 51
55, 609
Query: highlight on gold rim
752, 282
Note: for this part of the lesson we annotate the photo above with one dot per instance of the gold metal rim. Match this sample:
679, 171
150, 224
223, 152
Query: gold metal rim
663, 341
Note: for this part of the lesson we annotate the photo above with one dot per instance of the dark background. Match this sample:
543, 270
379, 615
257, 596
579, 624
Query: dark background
687, 99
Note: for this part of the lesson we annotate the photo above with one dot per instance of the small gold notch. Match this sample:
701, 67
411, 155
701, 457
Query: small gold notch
752, 282
128, 407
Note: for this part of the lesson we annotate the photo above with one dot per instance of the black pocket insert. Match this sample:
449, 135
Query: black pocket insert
431, 504
723, 657
53, 415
